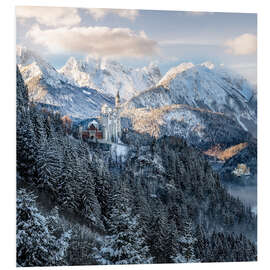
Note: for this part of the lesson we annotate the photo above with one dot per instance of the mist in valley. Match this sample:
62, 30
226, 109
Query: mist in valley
247, 194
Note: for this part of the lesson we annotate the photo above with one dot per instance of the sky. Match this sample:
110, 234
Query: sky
138, 37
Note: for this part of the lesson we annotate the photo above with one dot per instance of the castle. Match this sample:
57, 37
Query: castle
107, 126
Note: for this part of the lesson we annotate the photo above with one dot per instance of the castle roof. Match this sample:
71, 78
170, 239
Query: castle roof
93, 125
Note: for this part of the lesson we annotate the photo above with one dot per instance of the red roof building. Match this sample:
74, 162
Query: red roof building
92, 132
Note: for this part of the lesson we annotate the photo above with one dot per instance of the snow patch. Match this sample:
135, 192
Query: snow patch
119, 151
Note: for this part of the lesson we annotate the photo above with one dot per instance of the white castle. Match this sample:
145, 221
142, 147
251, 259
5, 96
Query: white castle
107, 127
110, 121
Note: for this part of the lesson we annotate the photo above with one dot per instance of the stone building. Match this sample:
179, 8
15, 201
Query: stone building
241, 169
111, 122
93, 131
107, 126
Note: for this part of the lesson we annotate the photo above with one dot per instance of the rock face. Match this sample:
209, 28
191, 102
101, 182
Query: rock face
206, 87
47, 86
110, 76
200, 128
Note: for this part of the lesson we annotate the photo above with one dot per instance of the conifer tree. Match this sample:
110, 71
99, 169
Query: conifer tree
159, 234
36, 244
187, 242
125, 243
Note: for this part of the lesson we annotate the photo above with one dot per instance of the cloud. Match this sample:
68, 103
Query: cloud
99, 41
242, 45
49, 16
198, 13
187, 41
99, 13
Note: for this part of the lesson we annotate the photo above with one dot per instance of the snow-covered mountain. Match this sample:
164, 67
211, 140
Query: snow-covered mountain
32, 65
199, 127
203, 86
110, 76
205, 90
46, 85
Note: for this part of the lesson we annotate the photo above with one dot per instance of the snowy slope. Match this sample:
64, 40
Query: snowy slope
110, 76
32, 65
46, 85
203, 86
199, 127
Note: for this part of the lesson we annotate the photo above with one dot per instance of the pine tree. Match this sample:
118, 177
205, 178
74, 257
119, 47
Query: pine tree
125, 243
25, 142
36, 244
159, 234
173, 243
187, 242
49, 167
22, 98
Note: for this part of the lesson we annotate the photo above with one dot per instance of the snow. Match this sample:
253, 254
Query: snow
109, 76
119, 151
171, 74
33, 65
208, 64
205, 86
86, 92
81, 88
46, 85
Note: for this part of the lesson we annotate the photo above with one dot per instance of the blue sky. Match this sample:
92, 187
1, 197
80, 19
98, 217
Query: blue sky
138, 37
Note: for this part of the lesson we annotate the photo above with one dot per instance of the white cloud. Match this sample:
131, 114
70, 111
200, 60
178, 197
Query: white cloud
49, 16
187, 41
99, 13
99, 41
242, 45
198, 13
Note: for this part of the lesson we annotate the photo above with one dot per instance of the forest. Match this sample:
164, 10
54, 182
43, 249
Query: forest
77, 205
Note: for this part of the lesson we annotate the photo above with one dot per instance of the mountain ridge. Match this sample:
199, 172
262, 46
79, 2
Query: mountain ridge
203, 86
46, 85
109, 76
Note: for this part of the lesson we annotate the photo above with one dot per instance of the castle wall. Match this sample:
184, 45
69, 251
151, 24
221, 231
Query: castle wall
111, 125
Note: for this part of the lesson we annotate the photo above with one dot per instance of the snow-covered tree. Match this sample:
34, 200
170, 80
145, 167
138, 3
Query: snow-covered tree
187, 241
158, 237
36, 244
25, 144
125, 243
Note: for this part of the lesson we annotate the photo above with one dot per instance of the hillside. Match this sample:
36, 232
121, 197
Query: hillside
206, 87
199, 127
46, 85
75, 201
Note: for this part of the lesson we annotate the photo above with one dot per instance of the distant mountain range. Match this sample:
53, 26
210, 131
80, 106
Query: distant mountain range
206, 104
48, 86
110, 76
80, 88
203, 86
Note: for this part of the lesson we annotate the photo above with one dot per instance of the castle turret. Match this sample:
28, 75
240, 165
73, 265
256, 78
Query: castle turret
117, 99
110, 121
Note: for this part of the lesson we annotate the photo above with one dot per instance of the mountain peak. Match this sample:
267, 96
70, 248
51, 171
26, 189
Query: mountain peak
32, 65
172, 73
72, 61
208, 64
25, 57
203, 86
109, 76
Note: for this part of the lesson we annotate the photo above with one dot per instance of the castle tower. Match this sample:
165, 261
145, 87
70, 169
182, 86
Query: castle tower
117, 99
110, 120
